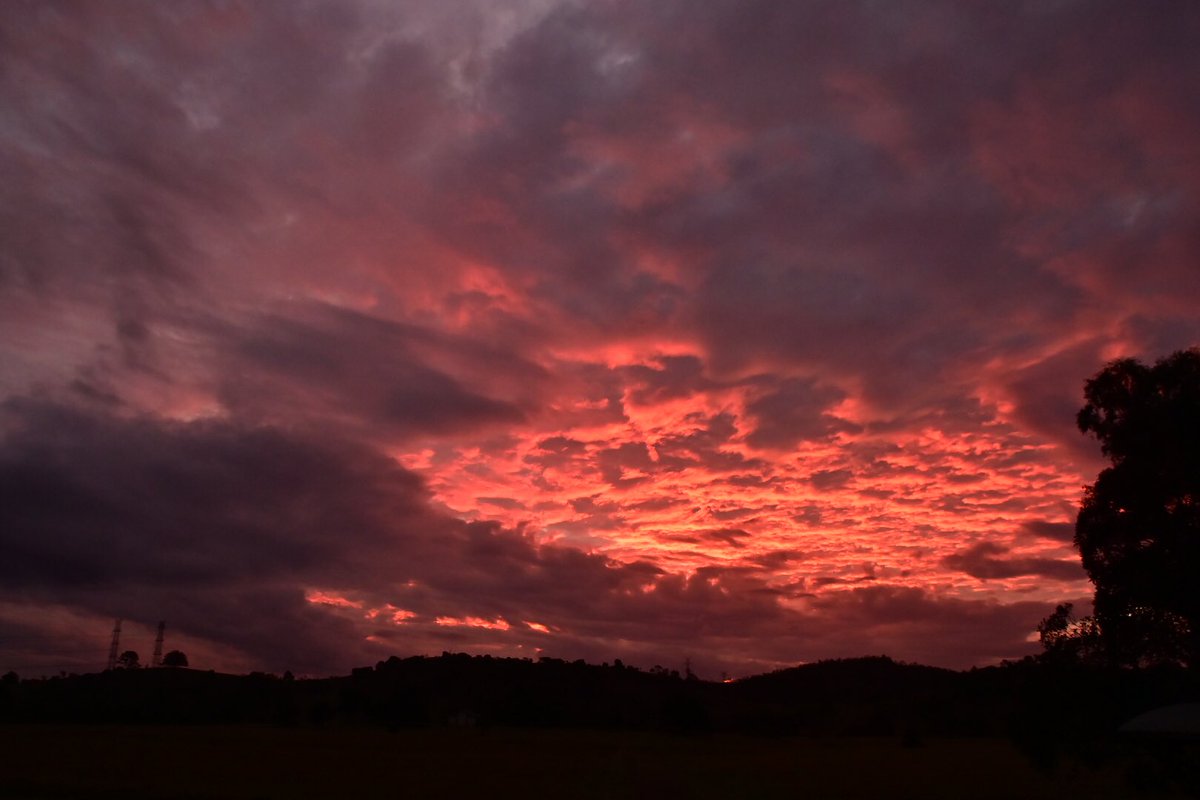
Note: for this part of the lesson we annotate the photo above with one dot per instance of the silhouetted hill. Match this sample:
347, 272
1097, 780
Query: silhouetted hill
453, 689
873, 696
858, 696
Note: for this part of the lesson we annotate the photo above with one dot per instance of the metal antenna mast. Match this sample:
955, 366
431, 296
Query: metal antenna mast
116, 643
157, 661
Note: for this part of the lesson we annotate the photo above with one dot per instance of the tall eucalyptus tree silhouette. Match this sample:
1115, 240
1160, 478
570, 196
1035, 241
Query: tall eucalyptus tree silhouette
1138, 528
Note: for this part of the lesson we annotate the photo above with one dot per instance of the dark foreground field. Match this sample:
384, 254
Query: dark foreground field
53, 761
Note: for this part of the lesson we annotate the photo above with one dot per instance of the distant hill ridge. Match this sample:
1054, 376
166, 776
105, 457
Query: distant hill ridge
873, 696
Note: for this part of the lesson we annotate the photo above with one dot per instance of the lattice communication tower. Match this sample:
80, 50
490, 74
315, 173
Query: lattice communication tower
157, 660
115, 646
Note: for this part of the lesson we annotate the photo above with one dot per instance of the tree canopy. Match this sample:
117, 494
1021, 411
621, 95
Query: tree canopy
175, 658
1138, 529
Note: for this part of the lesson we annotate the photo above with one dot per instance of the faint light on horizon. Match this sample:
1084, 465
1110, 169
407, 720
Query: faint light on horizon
318, 597
396, 614
499, 623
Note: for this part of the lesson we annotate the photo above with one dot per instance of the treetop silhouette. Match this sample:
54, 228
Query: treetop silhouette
175, 658
1138, 529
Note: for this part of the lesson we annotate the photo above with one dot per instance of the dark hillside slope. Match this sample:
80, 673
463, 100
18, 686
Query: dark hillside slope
856, 697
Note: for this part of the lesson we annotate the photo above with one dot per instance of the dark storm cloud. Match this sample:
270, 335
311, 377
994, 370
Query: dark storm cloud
856, 222
331, 362
730, 536
705, 447
123, 136
830, 478
869, 239
216, 527
987, 561
222, 528
557, 452
146, 149
887, 619
1058, 531
796, 411
671, 378
1048, 405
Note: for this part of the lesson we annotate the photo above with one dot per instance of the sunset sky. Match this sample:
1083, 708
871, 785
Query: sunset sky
745, 332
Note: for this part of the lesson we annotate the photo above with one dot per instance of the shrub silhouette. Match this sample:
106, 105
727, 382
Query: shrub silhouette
175, 658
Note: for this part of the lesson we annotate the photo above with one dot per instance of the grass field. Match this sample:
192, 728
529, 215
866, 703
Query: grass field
45, 761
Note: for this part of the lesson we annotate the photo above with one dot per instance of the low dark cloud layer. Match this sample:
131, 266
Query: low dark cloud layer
987, 560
